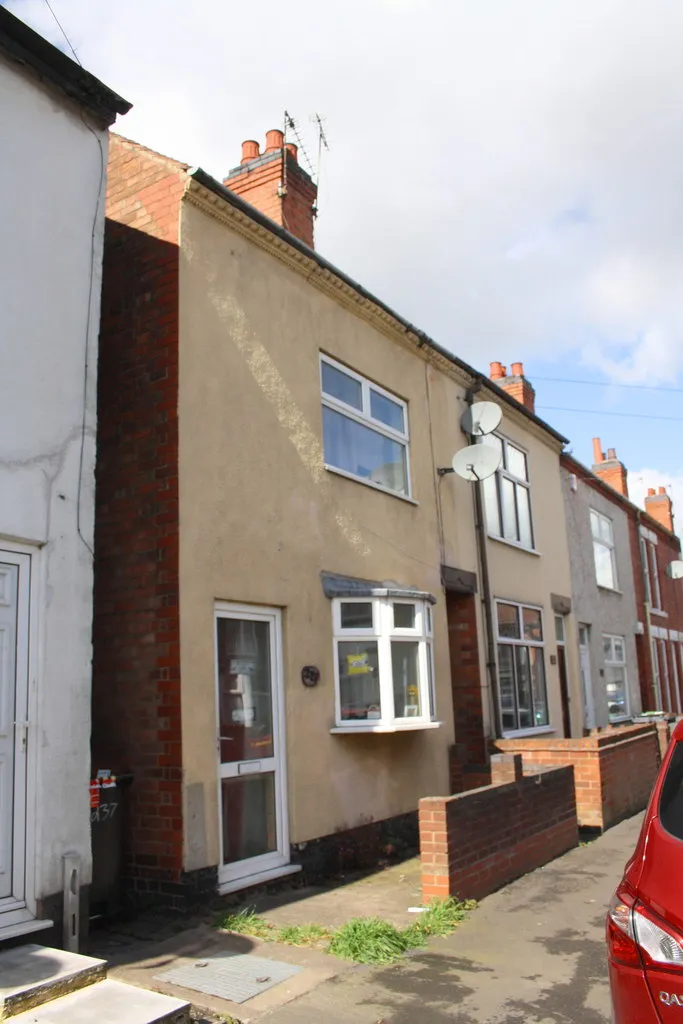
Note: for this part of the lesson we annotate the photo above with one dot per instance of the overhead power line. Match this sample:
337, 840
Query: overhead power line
604, 412
59, 26
607, 384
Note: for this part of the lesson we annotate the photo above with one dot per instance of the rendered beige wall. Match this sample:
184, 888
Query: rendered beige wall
260, 518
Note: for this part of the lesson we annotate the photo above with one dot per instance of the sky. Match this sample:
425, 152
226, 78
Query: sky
506, 174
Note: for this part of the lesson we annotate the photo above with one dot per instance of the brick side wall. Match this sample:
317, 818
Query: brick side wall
613, 771
473, 843
136, 660
469, 752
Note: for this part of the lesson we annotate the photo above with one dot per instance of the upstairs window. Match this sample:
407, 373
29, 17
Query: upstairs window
603, 550
652, 589
507, 495
521, 667
365, 429
383, 663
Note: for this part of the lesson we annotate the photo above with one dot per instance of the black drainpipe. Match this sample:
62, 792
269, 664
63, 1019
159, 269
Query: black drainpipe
487, 603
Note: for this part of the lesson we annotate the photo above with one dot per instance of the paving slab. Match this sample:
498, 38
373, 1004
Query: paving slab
108, 1002
31, 974
532, 953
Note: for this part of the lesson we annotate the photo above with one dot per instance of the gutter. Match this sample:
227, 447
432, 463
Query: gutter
423, 340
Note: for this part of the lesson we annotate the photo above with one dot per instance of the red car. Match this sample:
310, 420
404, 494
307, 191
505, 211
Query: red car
645, 917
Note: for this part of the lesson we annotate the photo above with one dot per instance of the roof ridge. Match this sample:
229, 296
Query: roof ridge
154, 152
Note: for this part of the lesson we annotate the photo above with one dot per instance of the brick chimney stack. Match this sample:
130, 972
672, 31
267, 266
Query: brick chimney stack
276, 185
515, 383
658, 505
609, 468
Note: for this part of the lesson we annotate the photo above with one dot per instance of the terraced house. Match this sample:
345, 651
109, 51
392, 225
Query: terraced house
296, 613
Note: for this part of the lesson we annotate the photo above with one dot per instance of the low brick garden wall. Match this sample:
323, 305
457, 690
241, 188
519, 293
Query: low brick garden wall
614, 770
475, 842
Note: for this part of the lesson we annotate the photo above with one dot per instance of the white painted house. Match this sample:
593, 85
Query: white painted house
54, 118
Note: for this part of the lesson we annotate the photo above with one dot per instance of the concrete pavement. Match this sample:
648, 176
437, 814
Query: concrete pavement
533, 952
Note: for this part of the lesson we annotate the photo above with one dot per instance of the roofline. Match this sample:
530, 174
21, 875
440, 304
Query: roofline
202, 178
620, 499
21, 44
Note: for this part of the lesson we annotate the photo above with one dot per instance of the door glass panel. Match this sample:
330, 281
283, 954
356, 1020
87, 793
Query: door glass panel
524, 697
406, 674
359, 680
615, 685
538, 689
249, 817
9, 576
244, 690
559, 629
506, 682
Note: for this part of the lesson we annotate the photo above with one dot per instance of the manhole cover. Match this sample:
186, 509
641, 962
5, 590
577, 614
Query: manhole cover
237, 977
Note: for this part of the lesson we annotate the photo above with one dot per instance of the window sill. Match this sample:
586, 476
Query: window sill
619, 719
370, 483
540, 730
660, 612
341, 730
610, 590
514, 544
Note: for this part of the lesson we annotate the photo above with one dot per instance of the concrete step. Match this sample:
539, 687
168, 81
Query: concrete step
109, 1002
31, 975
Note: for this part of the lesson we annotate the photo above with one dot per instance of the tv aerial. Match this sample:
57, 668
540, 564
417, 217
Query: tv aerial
477, 461
674, 570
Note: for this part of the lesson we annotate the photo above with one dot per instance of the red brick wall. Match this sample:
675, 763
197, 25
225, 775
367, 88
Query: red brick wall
258, 184
136, 660
473, 843
613, 771
469, 752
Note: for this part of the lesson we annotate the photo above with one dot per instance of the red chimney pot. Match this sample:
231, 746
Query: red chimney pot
293, 151
650, 492
274, 140
250, 151
496, 371
517, 369
661, 490
597, 451
611, 453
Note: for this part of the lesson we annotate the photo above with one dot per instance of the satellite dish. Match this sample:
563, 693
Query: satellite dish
476, 462
675, 570
481, 418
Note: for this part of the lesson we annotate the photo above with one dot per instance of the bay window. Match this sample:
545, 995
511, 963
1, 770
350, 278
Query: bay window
383, 664
521, 667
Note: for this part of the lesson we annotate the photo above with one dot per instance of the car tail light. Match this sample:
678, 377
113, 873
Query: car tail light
621, 936
658, 942
637, 937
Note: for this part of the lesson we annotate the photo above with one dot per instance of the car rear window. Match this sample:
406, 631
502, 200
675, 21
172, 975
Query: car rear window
671, 800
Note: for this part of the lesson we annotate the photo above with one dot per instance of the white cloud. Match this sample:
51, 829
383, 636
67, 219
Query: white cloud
506, 174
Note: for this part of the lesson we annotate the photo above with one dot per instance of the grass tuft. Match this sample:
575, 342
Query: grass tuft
369, 940
443, 916
245, 922
313, 935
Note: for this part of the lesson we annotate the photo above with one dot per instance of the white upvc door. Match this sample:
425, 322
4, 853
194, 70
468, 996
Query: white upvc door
251, 742
14, 669
586, 679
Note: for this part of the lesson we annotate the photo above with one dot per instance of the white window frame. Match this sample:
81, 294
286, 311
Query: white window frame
608, 544
614, 662
675, 649
385, 633
656, 677
365, 418
502, 473
522, 642
653, 591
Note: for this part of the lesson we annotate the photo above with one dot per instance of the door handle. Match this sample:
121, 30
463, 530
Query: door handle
23, 726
